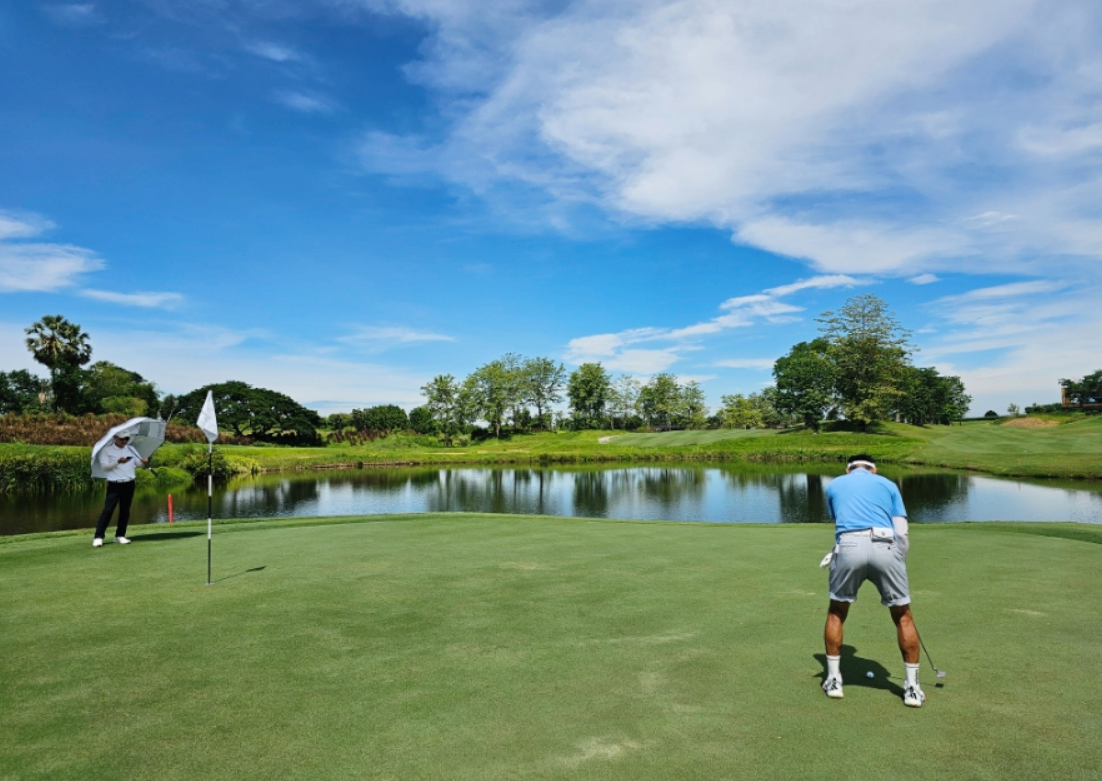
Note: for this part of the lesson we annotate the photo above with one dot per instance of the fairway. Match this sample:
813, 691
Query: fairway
688, 437
512, 647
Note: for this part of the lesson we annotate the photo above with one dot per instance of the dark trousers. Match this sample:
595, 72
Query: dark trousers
119, 495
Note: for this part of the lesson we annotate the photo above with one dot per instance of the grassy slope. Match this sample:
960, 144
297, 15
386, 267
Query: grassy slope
1072, 450
489, 647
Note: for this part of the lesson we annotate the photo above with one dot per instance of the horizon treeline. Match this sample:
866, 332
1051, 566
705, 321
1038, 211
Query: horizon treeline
860, 369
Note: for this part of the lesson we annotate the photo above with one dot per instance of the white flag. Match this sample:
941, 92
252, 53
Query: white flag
207, 421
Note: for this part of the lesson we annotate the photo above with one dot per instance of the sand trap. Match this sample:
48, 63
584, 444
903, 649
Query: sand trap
1030, 423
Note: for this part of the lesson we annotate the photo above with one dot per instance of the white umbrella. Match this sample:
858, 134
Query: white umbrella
146, 435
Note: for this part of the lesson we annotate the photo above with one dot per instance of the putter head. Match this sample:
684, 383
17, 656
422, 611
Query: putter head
940, 673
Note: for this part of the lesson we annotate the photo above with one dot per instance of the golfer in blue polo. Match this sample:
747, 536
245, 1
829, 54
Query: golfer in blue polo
870, 535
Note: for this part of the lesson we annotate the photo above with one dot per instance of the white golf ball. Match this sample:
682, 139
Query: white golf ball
869, 674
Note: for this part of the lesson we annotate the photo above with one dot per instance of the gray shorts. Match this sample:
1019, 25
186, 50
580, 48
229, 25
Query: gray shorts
858, 559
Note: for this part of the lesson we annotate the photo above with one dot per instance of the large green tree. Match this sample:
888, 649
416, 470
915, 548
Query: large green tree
1087, 390
542, 382
495, 389
929, 397
692, 412
420, 420
624, 399
741, 411
259, 413
382, 417
22, 392
63, 348
107, 388
451, 406
805, 382
870, 350
588, 389
660, 402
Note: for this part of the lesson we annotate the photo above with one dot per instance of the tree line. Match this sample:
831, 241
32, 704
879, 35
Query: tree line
859, 369
78, 387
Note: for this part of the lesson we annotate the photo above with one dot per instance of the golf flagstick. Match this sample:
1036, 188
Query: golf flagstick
210, 502
208, 422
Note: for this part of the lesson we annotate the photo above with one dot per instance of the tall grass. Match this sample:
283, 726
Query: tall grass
44, 469
60, 428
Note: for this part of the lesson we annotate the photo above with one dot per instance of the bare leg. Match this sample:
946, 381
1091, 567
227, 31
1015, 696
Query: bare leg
832, 633
905, 631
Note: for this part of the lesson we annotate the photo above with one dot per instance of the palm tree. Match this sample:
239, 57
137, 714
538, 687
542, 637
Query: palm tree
63, 348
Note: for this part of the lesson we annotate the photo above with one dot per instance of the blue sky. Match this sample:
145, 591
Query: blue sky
340, 199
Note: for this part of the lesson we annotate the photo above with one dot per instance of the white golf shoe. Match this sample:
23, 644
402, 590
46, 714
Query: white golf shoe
913, 696
833, 688
122, 541
97, 542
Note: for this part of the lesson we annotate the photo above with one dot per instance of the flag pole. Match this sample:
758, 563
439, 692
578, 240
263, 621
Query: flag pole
208, 424
210, 502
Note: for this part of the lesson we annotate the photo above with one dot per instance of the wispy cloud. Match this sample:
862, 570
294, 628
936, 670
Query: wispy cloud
40, 267
1033, 333
924, 279
147, 300
273, 51
748, 363
72, 14
877, 136
307, 103
380, 338
615, 350
22, 225
182, 356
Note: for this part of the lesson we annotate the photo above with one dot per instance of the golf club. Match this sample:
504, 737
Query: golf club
940, 673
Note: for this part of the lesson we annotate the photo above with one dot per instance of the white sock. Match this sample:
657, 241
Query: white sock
912, 674
834, 667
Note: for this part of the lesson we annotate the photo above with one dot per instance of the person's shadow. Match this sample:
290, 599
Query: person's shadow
855, 671
163, 536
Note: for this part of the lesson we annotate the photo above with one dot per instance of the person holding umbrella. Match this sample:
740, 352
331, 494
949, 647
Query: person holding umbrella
115, 458
119, 462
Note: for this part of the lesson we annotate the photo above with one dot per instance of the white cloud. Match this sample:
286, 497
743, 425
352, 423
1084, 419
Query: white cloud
305, 103
816, 283
612, 350
377, 338
642, 361
763, 364
273, 51
924, 279
1030, 333
182, 357
148, 300
39, 267
1022, 290
876, 136
72, 14
20, 225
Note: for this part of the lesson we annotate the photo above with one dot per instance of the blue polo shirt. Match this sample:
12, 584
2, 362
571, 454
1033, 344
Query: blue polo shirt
862, 500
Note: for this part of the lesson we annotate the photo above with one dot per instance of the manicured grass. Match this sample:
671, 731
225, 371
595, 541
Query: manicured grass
1069, 450
462, 646
681, 438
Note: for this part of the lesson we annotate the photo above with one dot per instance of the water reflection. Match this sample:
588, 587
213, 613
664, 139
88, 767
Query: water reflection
723, 494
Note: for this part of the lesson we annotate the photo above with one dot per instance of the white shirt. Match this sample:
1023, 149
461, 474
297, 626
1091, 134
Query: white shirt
109, 460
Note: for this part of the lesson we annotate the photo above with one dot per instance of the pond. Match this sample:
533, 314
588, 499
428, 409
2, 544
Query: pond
737, 493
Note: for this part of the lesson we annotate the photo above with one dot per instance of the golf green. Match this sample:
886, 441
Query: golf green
455, 646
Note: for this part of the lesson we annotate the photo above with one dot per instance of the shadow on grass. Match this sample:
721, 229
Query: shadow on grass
165, 536
239, 574
855, 671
